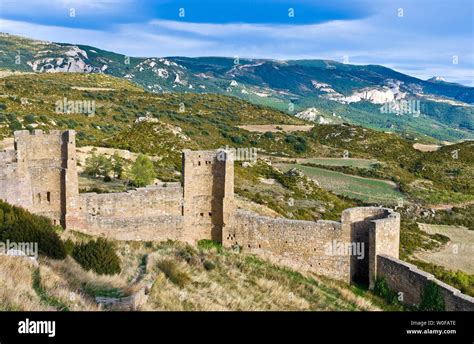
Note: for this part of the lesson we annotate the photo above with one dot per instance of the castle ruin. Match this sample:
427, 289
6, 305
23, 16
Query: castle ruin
40, 174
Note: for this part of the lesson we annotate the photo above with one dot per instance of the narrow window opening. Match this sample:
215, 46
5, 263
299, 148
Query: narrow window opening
48, 196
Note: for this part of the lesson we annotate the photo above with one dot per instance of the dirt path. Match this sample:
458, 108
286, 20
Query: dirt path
451, 206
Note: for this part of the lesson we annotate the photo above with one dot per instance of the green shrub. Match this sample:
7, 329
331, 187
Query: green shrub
98, 256
19, 225
208, 265
238, 139
381, 289
432, 299
269, 135
69, 246
29, 119
206, 244
188, 254
173, 272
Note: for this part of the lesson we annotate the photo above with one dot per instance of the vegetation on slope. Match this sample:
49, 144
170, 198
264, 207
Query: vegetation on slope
20, 226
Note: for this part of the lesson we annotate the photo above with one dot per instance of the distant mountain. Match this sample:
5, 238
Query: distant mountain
371, 95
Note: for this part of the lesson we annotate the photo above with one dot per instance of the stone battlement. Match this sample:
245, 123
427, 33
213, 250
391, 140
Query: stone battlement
40, 174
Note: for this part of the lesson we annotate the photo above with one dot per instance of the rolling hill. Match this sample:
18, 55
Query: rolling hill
431, 110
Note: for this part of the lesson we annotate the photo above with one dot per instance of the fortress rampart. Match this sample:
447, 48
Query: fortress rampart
40, 174
410, 281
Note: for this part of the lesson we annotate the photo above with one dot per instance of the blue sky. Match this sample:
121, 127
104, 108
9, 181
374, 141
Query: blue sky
418, 37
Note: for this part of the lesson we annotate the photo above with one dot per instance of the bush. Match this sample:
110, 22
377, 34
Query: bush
207, 245
173, 273
432, 299
269, 135
29, 119
381, 289
69, 246
238, 139
98, 256
19, 225
208, 265
188, 254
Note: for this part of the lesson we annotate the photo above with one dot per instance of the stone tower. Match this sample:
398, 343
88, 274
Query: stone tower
378, 230
208, 193
42, 174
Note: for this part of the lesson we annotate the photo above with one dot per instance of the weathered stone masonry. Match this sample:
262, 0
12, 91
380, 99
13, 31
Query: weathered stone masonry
40, 174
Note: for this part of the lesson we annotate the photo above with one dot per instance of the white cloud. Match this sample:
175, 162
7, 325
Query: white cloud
373, 40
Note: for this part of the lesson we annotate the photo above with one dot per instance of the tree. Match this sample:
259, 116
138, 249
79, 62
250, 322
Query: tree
143, 171
118, 165
98, 165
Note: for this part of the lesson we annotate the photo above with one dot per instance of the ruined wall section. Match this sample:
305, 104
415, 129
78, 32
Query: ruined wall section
151, 213
407, 279
303, 245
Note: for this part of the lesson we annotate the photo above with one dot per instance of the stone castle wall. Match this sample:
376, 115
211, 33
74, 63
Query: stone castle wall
304, 245
40, 174
407, 279
140, 214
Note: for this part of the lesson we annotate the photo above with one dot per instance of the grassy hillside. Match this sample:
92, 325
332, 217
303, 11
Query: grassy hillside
179, 277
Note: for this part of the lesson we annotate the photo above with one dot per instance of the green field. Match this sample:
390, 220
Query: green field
352, 162
364, 189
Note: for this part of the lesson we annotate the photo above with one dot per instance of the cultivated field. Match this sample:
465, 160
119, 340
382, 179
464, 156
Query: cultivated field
365, 189
457, 254
352, 162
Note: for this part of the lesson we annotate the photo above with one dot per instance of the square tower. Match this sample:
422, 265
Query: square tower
208, 194
47, 161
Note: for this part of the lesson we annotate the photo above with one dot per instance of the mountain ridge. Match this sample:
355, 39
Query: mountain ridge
438, 111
